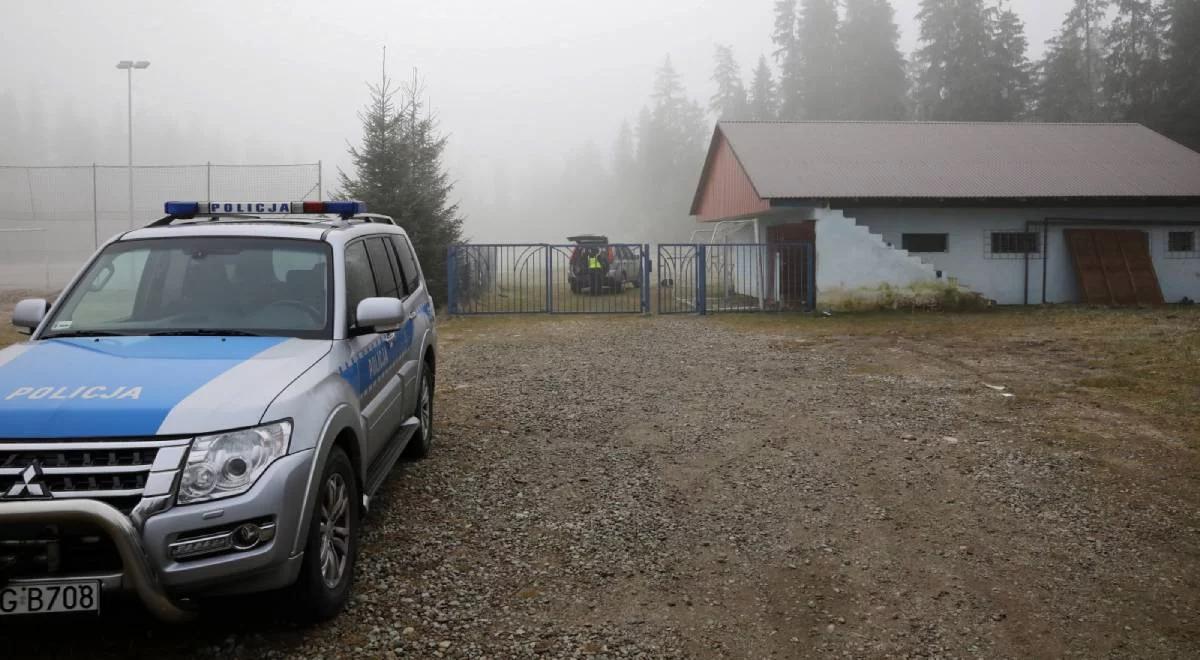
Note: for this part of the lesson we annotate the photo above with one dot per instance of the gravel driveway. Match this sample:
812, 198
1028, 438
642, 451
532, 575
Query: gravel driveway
678, 487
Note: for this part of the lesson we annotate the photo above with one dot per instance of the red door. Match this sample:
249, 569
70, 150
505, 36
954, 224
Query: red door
786, 262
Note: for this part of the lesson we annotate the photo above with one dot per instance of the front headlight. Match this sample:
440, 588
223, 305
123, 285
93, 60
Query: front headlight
227, 464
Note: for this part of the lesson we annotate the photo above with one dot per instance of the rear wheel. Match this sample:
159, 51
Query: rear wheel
422, 442
328, 567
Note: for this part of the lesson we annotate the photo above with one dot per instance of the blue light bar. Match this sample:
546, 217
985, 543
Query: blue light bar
192, 209
182, 209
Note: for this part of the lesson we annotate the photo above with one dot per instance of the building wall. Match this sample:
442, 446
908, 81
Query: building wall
1001, 277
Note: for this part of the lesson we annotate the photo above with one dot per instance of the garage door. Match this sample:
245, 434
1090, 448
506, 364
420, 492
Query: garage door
1113, 266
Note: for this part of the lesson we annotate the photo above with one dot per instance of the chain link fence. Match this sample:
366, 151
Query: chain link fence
52, 218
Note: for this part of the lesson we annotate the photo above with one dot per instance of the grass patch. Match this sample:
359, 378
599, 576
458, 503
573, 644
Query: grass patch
9, 335
1145, 360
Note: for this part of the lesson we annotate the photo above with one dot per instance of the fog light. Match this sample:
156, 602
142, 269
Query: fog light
247, 536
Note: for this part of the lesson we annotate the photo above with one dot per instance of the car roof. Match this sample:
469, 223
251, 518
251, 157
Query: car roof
313, 228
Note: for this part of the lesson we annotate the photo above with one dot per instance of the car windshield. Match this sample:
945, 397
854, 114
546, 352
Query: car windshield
202, 286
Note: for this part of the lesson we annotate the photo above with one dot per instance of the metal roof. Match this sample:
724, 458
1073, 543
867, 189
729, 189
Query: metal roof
898, 160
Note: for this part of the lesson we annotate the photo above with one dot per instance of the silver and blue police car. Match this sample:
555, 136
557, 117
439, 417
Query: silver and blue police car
208, 408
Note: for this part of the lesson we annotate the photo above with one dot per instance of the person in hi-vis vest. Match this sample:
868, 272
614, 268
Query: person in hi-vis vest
595, 263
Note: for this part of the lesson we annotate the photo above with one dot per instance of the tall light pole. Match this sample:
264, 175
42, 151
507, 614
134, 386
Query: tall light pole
129, 66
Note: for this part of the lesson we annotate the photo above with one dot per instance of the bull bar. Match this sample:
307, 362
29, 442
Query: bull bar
137, 571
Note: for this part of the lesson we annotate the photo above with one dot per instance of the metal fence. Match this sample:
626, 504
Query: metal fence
74, 209
547, 279
736, 277
688, 279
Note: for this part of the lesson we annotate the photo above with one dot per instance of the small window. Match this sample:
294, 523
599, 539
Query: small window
925, 242
1181, 241
381, 265
360, 281
408, 263
1015, 242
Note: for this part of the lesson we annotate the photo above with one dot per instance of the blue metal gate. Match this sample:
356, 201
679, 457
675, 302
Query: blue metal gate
540, 278
548, 279
736, 277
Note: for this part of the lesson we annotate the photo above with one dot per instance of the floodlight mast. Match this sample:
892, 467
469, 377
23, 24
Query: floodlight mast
128, 66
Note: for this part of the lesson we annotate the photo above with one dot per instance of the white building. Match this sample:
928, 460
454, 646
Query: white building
1020, 213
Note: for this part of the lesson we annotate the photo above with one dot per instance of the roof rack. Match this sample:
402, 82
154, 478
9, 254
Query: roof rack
283, 212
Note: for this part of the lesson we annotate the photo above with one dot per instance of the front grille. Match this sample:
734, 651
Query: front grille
113, 471
37, 551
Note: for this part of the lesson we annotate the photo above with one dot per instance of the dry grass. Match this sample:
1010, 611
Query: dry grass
1144, 361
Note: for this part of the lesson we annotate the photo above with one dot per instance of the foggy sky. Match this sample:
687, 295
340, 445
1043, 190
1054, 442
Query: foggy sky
517, 83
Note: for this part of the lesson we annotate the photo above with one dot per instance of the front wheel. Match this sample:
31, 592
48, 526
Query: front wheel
327, 571
422, 441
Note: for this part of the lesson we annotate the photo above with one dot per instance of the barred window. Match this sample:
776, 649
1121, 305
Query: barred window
1181, 241
1015, 242
925, 242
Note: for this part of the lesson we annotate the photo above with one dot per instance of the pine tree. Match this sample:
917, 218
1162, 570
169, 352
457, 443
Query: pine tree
1011, 69
1183, 84
820, 59
729, 102
872, 69
764, 105
398, 172
1135, 72
671, 143
787, 56
956, 81
1072, 69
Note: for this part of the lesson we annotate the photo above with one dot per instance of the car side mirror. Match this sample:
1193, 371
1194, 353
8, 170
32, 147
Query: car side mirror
29, 313
379, 315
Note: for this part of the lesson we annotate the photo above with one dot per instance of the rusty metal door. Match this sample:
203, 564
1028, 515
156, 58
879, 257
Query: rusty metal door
1113, 266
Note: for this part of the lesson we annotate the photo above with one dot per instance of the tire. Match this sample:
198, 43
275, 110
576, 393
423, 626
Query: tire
422, 441
326, 574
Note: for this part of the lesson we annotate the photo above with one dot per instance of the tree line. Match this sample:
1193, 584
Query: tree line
1111, 60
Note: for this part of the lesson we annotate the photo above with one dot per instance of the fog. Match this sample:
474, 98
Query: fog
518, 84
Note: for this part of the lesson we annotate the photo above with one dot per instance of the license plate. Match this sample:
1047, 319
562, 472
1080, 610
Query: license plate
48, 597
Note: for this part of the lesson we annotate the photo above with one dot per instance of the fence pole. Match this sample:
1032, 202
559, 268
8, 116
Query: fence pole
549, 279
645, 278
452, 279
208, 182
320, 194
811, 270
95, 213
702, 279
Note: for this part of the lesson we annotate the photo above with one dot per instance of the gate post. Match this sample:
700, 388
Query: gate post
702, 279
549, 279
452, 278
646, 278
810, 270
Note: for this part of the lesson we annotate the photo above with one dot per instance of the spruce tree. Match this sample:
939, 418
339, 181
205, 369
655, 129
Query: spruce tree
1135, 72
1010, 66
955, 81
764, 105
873, 78
729, 102
820, 60
787, 56
1072, 70
1183, 84
672, 136
398, 172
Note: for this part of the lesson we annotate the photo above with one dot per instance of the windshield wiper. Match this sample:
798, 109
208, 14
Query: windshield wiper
205, 332
82, 333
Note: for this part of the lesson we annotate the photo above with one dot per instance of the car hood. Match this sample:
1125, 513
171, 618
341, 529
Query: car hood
143, 386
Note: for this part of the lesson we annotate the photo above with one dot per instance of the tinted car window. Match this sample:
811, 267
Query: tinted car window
408, 262
360, 281
381, 265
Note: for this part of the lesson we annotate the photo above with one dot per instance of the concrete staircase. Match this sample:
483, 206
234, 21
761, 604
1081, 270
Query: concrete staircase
851, 257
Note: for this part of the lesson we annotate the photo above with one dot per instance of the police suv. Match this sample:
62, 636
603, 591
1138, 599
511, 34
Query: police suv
208, 408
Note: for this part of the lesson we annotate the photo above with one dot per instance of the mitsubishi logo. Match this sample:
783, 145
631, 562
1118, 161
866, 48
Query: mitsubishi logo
30, 484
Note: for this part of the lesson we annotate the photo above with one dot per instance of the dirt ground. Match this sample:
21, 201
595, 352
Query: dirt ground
771, 487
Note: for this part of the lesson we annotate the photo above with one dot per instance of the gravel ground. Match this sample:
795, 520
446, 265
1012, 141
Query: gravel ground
680, 487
